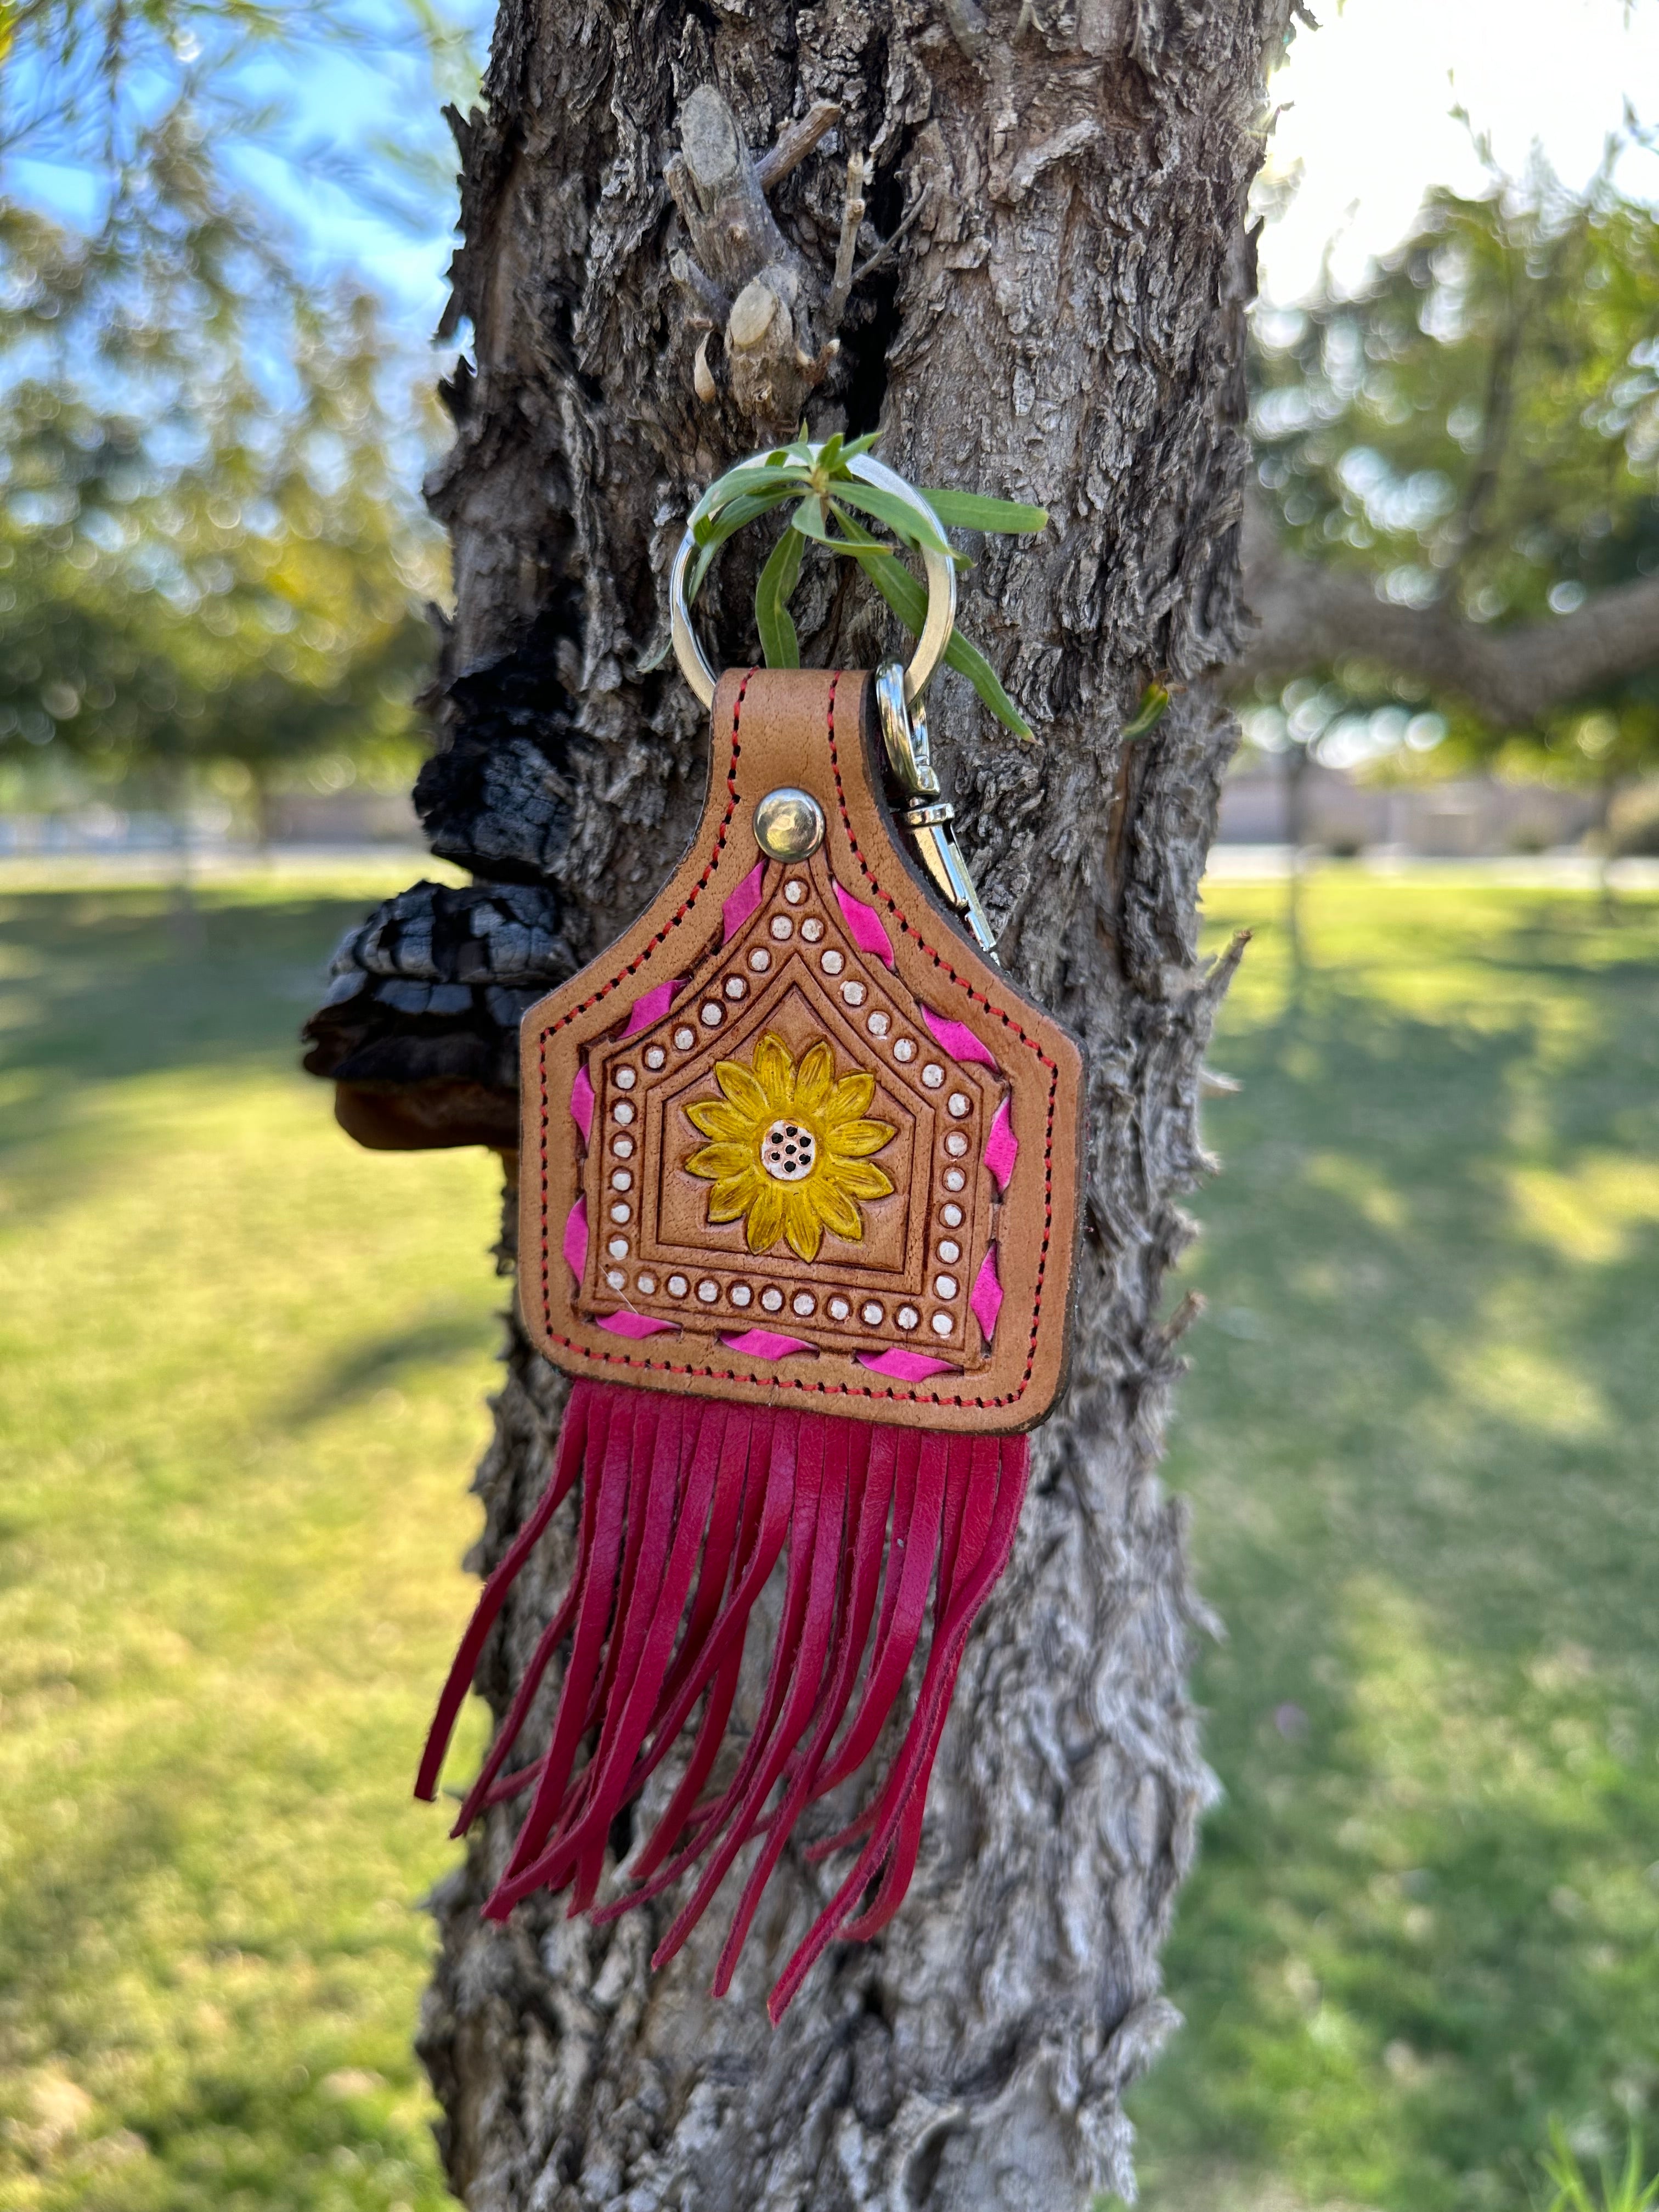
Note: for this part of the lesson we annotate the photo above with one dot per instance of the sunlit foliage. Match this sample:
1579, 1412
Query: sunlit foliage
208, 546
1477, 426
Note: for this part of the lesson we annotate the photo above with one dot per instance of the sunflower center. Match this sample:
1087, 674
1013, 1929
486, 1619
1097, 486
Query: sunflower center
788, 1151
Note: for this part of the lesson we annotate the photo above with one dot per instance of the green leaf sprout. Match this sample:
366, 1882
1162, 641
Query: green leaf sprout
828, 500
1149, 714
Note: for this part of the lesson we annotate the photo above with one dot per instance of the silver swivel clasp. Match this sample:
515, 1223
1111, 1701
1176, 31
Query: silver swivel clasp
925, 814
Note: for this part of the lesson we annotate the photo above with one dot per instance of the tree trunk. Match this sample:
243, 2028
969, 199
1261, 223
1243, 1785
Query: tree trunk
1062, 321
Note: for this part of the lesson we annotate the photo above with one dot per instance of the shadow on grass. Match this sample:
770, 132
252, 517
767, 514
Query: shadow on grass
382, 1362
97, 985
1418, 1437
97, 988
251, 2006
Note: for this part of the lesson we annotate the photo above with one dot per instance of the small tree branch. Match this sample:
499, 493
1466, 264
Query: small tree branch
718, 190
1469, 527
852, 216
891, 244
795, 141
1308, 615
740, 271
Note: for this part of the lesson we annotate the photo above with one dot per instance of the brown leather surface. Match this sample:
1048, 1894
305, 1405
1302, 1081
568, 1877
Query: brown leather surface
795, 989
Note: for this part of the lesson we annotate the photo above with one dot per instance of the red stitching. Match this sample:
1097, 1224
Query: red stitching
605, 990
1053, 1065
739, 1375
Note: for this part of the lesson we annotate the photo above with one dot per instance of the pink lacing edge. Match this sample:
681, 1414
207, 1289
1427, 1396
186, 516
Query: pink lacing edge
939, 960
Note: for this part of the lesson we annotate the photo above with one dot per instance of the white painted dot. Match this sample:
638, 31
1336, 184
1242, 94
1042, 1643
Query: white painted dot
795, 890
655, 1055
879, 1023
812, 929
712, 1015
618, 1248
615, 1278
783, 927
907, 1316
954, 1179
735, 986
708, 1290
622, 1211
832, 962
622, 1179
684, 1039
627, 1077
622, 1111
904, 1048
959, 1103
804, 1303
838, 1309
740, 1295
760, 960
946, 1286
677, 1286
956, 1144
951, 1217
622, 1147
772, 1299
645, 1285
932, 1075
949, 1250
872, 1316
854, 993
943, 1324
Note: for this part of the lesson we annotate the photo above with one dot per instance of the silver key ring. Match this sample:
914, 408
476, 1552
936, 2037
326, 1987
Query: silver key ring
941, 589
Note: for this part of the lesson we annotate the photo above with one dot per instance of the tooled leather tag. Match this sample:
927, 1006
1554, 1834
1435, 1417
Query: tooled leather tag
792, 1139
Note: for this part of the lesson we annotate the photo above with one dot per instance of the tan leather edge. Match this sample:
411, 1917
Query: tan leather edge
778, 740
1069, 1136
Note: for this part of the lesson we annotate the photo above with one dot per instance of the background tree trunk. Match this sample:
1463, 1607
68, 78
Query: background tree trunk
1062, 320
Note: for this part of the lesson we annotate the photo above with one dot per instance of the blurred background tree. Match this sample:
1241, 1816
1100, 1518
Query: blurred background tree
212, 562
212, 559
1456, 548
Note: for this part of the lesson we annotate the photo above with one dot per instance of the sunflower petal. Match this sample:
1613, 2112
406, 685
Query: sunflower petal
729, 1199
857, 1178
848, 1099
741, 1087
815, 1077
837, 1212
775, 1067
766, 1218
800, 1215
716, 1118
720, 1160
856, 1140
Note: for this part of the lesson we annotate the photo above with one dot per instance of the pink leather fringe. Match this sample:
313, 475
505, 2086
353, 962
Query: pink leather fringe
686, 1507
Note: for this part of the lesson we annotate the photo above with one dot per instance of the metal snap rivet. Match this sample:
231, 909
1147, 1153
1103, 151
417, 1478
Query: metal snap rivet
788, 824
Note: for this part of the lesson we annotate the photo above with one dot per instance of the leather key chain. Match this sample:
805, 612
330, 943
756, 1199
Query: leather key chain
800, 1190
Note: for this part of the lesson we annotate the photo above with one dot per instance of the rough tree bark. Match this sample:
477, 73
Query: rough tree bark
1059, 319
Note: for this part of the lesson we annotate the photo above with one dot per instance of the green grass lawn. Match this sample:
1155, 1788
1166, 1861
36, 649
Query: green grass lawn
241, 1373
1419, 1436
243, 1370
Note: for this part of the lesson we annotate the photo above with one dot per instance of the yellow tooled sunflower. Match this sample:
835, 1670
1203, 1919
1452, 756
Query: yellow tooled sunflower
790, 1150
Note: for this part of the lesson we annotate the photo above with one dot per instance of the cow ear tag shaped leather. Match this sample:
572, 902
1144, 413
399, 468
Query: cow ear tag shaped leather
799, 1192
